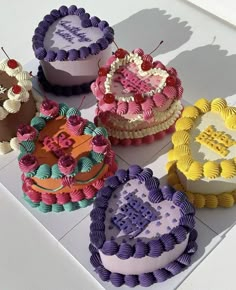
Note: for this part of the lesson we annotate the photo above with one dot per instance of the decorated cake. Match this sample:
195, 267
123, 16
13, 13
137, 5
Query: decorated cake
70, 44
138, 99
64, 159
203, 159
140, 233
17, 102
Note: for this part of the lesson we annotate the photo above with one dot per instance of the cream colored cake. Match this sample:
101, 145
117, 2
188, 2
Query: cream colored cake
203, 159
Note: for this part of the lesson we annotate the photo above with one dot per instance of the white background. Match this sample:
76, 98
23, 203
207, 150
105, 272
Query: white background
35, 247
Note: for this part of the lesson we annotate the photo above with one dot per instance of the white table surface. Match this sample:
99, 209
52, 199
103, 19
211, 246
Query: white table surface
49, 251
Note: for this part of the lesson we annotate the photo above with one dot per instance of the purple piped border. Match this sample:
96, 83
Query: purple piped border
145, 279
71, 55
165, 242
62, 90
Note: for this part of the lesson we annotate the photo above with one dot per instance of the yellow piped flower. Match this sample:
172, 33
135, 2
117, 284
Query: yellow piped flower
199, 200
184, 163
211, 201
171, 155
190, 196
195, 171
203, 105
190, 112
228, 111
218, 104
181, 150
171, 166
226, 200
172, 179
184, 124
228, 169
180, 137
178, 187
230, 122
211, 169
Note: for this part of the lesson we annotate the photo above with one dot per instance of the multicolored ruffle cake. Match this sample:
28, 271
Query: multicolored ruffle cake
64, 158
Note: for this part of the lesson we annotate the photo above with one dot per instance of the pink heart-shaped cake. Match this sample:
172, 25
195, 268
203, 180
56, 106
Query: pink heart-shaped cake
138, 99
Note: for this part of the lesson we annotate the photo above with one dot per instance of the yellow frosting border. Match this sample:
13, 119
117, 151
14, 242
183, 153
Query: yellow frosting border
199, 200
181, 153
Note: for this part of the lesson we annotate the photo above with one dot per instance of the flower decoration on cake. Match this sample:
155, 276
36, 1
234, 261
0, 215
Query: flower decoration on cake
17, 102
202, 161
63, 159
70, 42
138, 99
140, 233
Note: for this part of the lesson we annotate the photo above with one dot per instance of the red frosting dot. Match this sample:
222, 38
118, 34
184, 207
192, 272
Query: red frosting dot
138, 98
16, 89
146, 65
120, 53
171, 81
12, 63
103, 71
109, 98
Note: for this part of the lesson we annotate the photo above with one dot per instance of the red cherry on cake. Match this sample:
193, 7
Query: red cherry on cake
12, 63
109, 98
138, 98
16, 89
103, 71
147, 57
146, 65
120, 53
171, 81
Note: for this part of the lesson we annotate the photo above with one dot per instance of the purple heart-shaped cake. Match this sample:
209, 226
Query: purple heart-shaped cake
69, 44
140, 233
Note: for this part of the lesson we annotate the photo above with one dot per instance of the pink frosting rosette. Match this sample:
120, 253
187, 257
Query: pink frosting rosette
28, 163
97, 87
76, 125
26, 133
100, 144
66, 164
49, 108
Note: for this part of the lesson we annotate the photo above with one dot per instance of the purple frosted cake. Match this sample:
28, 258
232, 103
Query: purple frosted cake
70, 44
140, 233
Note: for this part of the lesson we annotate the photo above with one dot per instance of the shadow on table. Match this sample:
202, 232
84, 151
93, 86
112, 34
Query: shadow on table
148, 27
206, 72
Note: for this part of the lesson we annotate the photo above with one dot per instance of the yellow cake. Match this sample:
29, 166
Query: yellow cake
203, 159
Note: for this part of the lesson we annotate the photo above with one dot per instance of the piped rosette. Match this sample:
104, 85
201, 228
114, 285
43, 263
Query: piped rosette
64, 159
139, 91
140, 233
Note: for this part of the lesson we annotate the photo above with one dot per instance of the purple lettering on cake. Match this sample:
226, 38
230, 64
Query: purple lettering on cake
134, 216
70, 32
65, 35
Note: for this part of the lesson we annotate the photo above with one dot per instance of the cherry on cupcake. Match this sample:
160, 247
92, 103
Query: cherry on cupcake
103, 71
16, 89
146, 65
12, 63
138, 98
120, 53
109, 98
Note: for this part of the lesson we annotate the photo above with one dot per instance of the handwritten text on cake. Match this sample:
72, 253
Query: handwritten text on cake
71, 33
